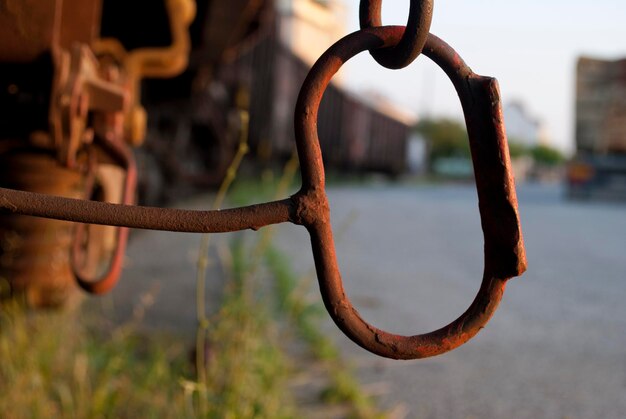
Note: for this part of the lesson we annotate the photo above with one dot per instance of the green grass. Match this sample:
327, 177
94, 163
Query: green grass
246, 371
289, 295
64, 365
305, 316
75, 364
248, 191
71, 365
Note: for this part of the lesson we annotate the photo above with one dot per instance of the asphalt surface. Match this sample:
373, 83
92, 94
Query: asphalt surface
411, 259
157, 289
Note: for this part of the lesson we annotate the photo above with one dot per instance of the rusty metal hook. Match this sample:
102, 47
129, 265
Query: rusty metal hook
122, 154
413, 38
504, 249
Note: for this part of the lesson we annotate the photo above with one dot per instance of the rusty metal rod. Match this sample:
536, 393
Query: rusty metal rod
190, 221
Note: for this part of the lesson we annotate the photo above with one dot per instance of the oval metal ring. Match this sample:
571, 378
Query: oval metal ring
413, 39
105, 283
504, 249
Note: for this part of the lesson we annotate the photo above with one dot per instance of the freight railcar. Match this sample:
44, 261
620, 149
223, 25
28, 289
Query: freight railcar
355, 135
192, 137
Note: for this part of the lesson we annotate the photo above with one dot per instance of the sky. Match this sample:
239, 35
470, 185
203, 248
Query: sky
530, 46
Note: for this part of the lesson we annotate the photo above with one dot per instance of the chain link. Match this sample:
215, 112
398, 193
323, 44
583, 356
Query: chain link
413, 39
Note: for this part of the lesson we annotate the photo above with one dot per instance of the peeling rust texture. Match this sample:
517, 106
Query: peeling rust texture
30, 28
34, 253
504, 249
311, 207
27, 28
413, 39
251, 217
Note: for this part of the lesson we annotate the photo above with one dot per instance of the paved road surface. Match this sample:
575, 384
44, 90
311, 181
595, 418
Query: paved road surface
411, 259
159, 278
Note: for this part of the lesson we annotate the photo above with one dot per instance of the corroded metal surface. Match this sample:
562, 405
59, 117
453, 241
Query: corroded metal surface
413, 39
504, 250
28, 28
34, 252
189, 221
31, 28
85, 106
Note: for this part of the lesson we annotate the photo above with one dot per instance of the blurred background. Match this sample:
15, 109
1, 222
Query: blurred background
403, 204
558, 68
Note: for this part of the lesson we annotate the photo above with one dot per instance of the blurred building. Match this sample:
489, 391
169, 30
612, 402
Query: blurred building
601, 106
309, 27
598, 170
522, 127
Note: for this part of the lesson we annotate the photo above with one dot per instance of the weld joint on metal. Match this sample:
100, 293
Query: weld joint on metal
311, 207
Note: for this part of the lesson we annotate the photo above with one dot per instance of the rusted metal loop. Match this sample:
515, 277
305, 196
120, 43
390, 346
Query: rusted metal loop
413, 39
504, 249
122, 154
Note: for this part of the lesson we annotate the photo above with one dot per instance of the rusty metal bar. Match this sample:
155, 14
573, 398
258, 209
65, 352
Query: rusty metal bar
187, 221
504, 250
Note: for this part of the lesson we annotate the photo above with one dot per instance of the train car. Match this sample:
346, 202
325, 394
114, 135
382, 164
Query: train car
71, 87
355, 135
